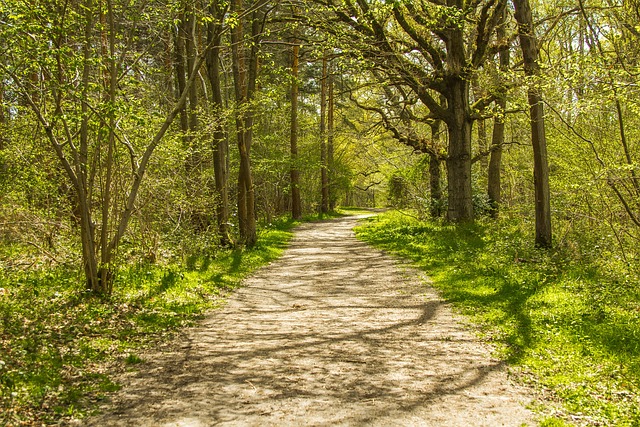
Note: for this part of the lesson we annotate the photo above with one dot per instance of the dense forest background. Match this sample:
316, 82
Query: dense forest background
148, 132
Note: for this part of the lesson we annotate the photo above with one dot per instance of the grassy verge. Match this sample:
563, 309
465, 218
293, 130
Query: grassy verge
349, 210
58, 345
571, 328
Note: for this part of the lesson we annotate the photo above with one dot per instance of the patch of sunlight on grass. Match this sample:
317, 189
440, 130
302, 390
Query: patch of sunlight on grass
56, 338
559, 321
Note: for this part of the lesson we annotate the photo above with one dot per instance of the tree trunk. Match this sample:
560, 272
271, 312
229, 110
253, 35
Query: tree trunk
219, 143
181, 74
435, 178
244, 84
296, 204
194, 159
330, 135
106, 269
459, 154
324, 177
495, 162
190, 49
483, 145
3, 117
251, 236
497, 138
87, 227
239, 83
529, 48
193, 162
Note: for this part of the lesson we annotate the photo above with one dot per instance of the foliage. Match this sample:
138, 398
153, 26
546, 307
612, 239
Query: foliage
569, 319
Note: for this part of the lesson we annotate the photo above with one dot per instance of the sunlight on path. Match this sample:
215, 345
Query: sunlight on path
333, 333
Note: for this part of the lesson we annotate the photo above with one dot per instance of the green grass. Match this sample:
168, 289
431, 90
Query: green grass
350, 210
59, 344
571, 326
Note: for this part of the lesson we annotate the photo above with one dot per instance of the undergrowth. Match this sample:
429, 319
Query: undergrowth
60, 345
570, 323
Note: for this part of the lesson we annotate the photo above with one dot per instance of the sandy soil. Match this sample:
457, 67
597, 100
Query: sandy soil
333, 333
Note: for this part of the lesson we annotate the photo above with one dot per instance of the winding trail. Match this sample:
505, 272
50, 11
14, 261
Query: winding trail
333, 333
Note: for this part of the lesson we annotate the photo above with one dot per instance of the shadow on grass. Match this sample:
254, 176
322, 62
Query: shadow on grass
568, 322
55, 335
454, 256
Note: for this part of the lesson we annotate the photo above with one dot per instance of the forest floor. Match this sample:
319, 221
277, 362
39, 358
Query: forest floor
333, 333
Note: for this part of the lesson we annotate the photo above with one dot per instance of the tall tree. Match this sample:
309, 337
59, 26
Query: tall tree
324, 167
181, 72
497, 138
435, 189
296, 204
528, 45
217, 10
245, 77
81, 121
330, 139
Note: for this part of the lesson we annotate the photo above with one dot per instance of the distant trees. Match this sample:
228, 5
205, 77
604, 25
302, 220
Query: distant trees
428, 50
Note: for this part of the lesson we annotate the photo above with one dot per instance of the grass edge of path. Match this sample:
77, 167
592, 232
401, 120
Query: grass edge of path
536, 308
60, 347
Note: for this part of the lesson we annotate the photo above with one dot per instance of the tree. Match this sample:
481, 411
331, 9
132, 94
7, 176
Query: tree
424, 48
217, 11
79, 97
528, 45
296, 204
245, 77
435, 190
497, 137
324, 166
331, 102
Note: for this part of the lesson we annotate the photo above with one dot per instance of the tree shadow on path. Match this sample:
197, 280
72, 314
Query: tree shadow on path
333, 333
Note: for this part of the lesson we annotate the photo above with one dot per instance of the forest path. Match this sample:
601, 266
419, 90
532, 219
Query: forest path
333, 333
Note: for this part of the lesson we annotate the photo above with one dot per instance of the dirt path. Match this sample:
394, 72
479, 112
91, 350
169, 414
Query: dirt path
333, 333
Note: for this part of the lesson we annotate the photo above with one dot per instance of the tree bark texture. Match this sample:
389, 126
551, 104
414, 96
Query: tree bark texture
244, 83
219, 137
528, 44
330, 141
459, 125
106, 269
87, 227
494, 174
495, 161
435, 178
181, 73
483, 142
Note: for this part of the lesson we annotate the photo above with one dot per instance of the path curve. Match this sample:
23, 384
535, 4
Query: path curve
333, 333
